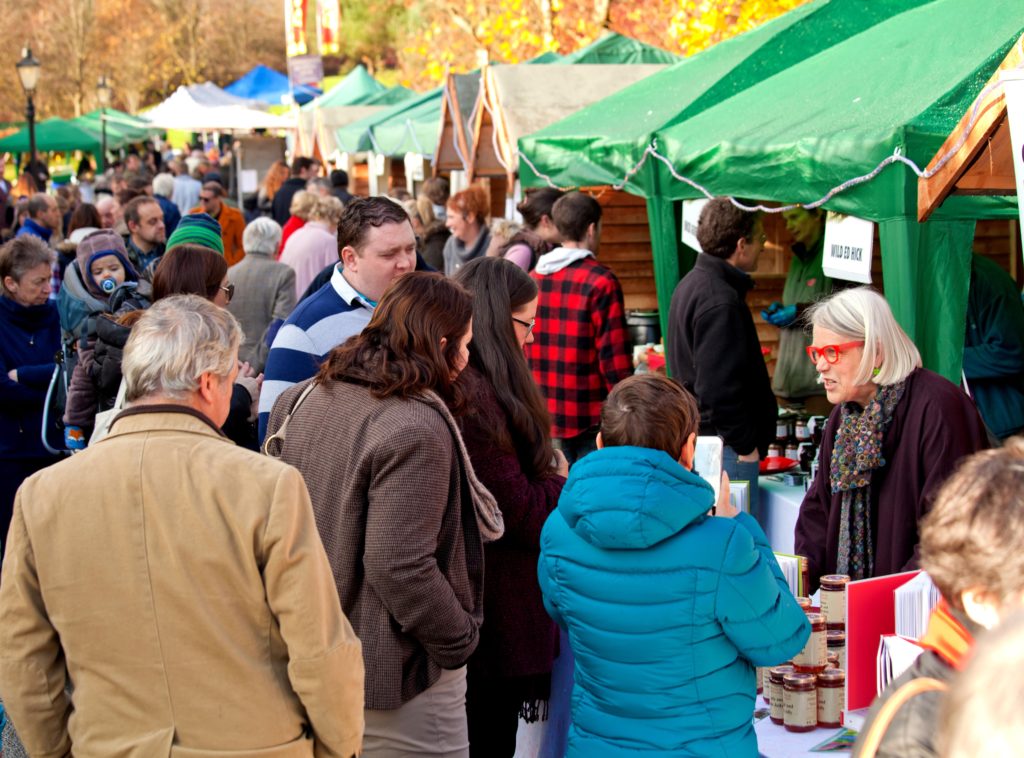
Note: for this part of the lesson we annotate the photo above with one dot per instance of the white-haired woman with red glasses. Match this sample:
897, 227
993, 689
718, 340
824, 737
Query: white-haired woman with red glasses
895, 434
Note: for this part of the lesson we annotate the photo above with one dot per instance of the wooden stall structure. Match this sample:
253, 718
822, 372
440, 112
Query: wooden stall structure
982, 163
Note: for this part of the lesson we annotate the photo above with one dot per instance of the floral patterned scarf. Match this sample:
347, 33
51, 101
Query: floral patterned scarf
856, 454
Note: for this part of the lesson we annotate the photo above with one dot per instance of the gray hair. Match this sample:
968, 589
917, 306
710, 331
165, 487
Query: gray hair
175, 342
163, 185
262, 236
863, 314
21, 255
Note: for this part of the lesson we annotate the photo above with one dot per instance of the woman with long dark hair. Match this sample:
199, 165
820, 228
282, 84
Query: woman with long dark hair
400, 512
507, 435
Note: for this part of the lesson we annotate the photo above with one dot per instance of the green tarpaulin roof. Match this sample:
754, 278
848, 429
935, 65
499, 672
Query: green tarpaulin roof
838, 114
354, 89
122, 128
52, 134
391, 96
613, 47
413, 126
599, 144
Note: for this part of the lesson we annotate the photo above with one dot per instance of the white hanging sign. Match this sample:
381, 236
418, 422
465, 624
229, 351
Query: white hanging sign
414, 167
849, 245
1013, 93
691, 217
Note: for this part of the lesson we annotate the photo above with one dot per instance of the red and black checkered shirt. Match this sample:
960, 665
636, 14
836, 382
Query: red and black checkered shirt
580, 348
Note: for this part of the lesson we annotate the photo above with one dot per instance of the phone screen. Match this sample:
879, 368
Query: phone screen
707, 461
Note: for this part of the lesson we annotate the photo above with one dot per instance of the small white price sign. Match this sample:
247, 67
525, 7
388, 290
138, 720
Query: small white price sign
691, 217
849, 245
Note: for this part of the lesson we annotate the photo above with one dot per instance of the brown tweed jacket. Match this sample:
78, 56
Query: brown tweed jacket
394, 511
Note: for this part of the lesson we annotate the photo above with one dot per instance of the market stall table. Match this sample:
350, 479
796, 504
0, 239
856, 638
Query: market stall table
773, 741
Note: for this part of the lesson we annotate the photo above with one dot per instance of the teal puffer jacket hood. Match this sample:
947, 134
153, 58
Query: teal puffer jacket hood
627, 498
668, 610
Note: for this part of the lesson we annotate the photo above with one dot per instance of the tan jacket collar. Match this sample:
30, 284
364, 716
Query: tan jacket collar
165, 417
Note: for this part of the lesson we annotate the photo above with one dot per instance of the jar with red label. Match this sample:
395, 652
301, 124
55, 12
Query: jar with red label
814, 657
831, 695
833, 599
800, 702
777, 677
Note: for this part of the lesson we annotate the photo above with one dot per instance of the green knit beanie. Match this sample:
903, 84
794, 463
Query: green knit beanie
197, 229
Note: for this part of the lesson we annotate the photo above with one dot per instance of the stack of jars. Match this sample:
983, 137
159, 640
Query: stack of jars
809, 691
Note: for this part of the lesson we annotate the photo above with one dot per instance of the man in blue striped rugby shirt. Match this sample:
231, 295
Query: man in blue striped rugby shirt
376, 245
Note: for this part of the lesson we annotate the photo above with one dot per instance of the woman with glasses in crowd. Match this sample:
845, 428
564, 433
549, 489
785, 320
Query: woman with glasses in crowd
895, 434
508, 438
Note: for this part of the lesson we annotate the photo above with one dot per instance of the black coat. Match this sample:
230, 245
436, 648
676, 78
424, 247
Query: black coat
283, 198
714, 351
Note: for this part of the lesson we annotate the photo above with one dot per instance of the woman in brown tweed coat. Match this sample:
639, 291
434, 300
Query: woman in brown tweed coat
401, 514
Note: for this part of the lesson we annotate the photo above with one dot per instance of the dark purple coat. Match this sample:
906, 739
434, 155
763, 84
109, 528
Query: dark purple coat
934, 425
517, 638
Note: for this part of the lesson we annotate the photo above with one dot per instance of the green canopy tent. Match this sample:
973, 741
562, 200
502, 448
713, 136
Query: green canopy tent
415, 126
840, 115
615, 48
357, 87
122, 128
53, 134
605, 144
352, 98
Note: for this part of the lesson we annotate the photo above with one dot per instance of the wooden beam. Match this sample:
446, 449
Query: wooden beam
991, 112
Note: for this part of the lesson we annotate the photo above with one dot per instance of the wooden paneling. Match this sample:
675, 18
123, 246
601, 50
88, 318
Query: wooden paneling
626, 247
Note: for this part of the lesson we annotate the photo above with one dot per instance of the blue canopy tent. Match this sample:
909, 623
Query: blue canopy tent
269, 86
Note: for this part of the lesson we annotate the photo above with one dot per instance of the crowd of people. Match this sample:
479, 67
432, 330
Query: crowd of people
446, 477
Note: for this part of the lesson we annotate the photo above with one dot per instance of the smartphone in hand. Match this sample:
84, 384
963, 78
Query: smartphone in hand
707, 461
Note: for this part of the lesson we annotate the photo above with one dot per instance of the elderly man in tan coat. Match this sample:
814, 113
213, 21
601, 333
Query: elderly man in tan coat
176, 582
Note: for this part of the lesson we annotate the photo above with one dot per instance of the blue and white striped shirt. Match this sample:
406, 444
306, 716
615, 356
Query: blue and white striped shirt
320, 323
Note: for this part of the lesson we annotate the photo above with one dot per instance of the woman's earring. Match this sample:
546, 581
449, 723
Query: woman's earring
876, 371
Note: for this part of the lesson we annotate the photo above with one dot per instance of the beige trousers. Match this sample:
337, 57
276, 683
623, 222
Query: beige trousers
431, 724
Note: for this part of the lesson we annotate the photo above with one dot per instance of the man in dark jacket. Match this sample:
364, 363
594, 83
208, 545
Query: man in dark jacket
303, 169
994, 348
972, 546
712, 345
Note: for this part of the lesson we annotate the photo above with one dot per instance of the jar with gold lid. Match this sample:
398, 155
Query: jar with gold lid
777, 702
814, 657
800, 702
835, 641
831, 695
833, 599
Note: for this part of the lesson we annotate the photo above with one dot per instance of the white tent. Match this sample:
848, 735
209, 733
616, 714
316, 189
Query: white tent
206, 107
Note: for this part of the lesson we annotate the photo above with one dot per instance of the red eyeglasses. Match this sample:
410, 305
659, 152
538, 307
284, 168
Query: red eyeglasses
831, 352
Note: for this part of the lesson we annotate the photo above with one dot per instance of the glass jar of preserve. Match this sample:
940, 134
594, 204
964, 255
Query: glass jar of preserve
835, 640
833, 599
777, 677
814, 656
800, 702
831, 689
833, 661
804, 603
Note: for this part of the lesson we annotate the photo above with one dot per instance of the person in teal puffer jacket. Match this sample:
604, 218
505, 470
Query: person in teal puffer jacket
668, 608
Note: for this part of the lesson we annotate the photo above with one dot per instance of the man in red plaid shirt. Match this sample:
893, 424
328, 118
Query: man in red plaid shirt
580, 345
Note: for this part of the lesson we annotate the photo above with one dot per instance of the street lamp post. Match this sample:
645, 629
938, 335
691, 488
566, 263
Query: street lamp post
104, 93
28, 71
